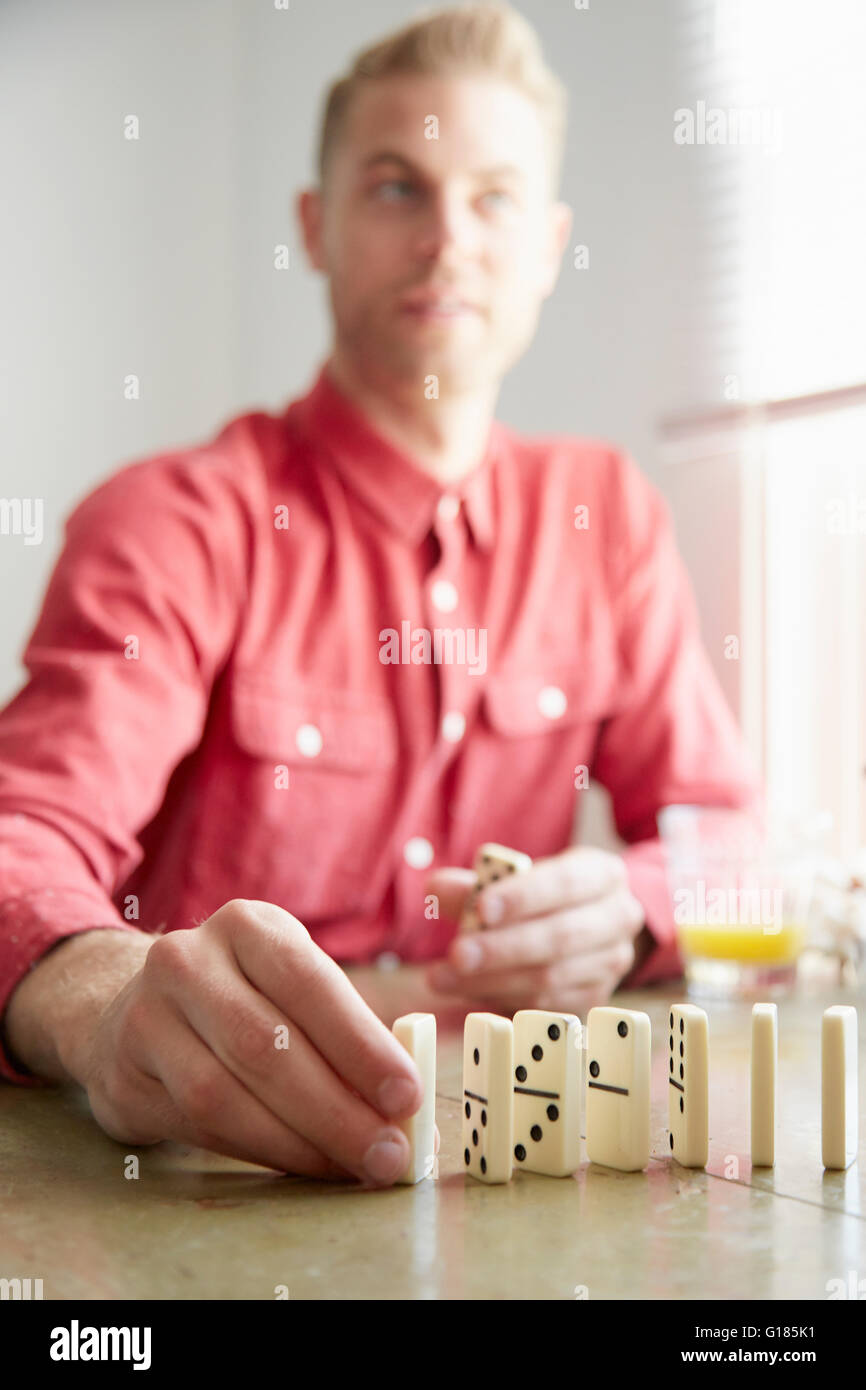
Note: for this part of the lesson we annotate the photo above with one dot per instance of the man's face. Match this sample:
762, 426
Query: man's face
465, 217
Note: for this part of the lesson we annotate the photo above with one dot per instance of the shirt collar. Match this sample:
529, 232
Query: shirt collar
386, 478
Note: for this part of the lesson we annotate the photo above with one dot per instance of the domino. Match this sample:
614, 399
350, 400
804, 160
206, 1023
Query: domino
488, 1099
491, 862
839, 1101
547, 1092
765, 1060
618, 1049
417, 1033
688, 1085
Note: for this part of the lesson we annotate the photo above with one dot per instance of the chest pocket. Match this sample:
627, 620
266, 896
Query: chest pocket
305, 725
538, 730
309, 840
550, 697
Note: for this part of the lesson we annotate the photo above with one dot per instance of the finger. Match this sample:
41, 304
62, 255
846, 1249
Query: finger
451, 887
536, 941
577, 875
279, 957
502, 985
242, 1029
574, 1001
192, 1099
597, 970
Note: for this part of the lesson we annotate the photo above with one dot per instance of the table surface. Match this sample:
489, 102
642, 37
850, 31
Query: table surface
196, 1225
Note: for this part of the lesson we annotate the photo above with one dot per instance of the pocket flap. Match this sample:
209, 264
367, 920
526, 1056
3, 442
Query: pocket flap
304, 723
535, 703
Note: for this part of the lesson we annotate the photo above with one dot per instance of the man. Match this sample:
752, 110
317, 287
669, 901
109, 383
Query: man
284, 684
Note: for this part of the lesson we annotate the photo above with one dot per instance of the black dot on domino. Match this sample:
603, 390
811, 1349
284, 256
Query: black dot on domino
682, 1026
682, 1050
468, 1109
672, 1066
519, 1153
622, 1028
520, 1073
672, 1022
475, 1137
552, 1112
553, 1032
483, 1117
537, 1053
483, 1164
682, 1073
594, 1068
672, 1042
672, 1141
681, 1105
465, 1155
476, 1057
535, 1133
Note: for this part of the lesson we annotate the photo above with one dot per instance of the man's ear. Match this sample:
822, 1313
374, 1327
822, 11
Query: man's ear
560, 217
310, 212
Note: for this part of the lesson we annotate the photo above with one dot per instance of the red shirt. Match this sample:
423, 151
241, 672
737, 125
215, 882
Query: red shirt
228, 694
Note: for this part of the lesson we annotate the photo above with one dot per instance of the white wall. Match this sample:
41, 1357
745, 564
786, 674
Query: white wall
156, 256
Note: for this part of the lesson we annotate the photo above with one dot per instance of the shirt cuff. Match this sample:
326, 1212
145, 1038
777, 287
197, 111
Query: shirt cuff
29, 926
647, 880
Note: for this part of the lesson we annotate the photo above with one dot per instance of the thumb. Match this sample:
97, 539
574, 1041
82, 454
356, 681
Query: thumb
451, 887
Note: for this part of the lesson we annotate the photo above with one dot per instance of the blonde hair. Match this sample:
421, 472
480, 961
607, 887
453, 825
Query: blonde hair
490, 38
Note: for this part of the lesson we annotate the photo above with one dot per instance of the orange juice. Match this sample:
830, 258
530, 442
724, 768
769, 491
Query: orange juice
742, 942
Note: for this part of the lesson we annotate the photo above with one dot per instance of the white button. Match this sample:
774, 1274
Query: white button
453, 726
444, 596
418, 852
552, 702
447, 507
388, 960
308, 740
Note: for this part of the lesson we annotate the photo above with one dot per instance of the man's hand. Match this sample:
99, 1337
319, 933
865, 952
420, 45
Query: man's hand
188, 1049
560, 936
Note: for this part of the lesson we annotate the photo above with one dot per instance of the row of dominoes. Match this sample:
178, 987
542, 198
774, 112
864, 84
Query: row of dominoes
522, 1090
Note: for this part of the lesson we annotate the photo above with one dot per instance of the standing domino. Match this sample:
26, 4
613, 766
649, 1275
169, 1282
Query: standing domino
688, 1085
417, 1033
491, 862
618, 1088
839, 1107
765, 1058
488, 1100
547, 1092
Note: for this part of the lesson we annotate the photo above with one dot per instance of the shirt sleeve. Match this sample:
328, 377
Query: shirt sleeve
673, 738
140, 612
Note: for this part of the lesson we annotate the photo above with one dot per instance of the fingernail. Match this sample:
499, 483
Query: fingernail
444, 977
384, 1160
468, 955
396, 1095
492, 908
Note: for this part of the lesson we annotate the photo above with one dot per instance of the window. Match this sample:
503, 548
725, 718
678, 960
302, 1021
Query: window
771, 424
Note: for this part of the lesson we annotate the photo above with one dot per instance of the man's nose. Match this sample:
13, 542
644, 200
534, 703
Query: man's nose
447, 225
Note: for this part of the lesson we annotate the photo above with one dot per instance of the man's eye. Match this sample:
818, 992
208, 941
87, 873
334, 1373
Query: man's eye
392, 190
501, 194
